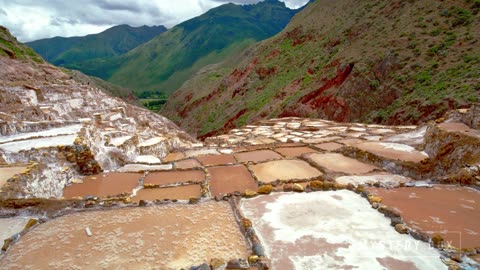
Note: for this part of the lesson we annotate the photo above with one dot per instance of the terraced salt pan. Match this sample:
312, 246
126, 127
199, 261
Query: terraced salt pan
327, 139
67, 130
382, 131
12, 225
149, 159
8, 172
211, 160
355, 134
284, 170
340, 163
17, 146
415, 137
156, 237
291, 152
453, 212
172, 177
228, 179
344, 233
199, 152
257, 156
459, 127
394, 151
178, 193
330, 146
144, 167
117, 141
187, 164
174, 156
386, 179
373, 138
350, 141
102, 185
151, 141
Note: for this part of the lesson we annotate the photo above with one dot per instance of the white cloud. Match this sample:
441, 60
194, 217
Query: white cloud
35, 19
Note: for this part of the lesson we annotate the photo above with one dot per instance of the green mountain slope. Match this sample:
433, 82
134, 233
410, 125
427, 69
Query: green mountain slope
390, 62
71, 52
11, 48
165, 62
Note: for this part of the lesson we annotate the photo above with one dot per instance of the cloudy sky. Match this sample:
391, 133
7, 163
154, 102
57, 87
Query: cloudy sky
35, 19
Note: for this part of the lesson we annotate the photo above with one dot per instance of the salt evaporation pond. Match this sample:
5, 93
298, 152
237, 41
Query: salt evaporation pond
170, 236
67, 130
333, 230
17, 146
450, 211
102, 185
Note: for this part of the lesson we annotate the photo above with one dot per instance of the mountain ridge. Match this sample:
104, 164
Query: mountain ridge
374, 61
117, 40
165, 62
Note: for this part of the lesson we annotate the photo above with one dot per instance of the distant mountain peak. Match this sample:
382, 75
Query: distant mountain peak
169, 59
113, 41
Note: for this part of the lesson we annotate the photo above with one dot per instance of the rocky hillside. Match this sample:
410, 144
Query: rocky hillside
61, 128
71, 52
11, 48
109, 88
165, 62
387, 62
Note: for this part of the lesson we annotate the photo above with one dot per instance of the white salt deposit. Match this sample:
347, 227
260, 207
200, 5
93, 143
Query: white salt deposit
143, 167
199, 152
149, 159
393, 179
11, 226
226, 151
402, 148
116, 117
414, 137
72, 129
120, 140
17, 146
75, 102
151, 141
334, 229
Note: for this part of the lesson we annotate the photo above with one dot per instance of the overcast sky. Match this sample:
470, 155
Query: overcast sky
36, 19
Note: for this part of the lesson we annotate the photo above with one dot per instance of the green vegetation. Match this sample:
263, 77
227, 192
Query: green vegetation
153, 104
432, 88
153, 100
73, 51
10, 47
461, 17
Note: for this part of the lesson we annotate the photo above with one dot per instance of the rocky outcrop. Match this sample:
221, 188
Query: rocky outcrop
39, 180
81, 155
470, 117
453, 146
